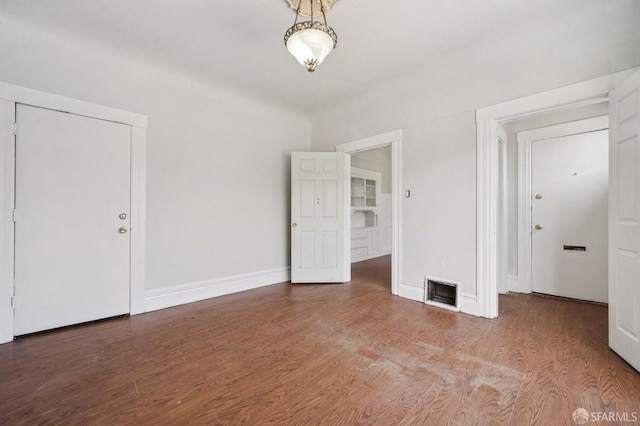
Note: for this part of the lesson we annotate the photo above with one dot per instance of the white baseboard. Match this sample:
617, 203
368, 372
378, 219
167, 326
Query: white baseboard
371, 256
194, 292
513, 283
413, 291
518, 286
467, 304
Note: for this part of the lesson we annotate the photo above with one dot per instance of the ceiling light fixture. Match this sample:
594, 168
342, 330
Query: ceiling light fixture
310, 41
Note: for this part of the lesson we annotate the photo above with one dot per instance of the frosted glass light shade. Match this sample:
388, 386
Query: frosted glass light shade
310, 46
310, 43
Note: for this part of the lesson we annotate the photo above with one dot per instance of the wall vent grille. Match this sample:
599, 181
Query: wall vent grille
441, 293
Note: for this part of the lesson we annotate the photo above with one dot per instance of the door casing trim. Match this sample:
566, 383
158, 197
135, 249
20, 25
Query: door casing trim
10, 95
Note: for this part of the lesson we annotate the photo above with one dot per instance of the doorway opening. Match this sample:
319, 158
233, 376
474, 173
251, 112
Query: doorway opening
370, 204
366, 207
622, 91
513, 213
488, 121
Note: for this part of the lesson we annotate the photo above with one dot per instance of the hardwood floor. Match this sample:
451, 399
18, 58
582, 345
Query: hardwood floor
332, 354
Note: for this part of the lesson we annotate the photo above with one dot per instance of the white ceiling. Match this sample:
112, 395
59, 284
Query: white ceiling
240, 43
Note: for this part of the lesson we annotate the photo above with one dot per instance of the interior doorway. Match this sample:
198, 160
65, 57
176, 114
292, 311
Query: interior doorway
363, 150
488, 120
622, 92
370, 211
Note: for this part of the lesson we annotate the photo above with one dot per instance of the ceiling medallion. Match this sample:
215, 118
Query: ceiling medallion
305, 6
310, 41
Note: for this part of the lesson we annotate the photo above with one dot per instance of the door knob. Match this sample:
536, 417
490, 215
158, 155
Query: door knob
538, 227
122, 216
293, 225
122, 230
538, 196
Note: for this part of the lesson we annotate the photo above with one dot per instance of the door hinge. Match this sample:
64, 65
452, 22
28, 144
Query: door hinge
15, 128
13, 215
13, 302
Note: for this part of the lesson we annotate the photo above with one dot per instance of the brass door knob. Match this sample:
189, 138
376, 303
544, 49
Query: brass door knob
122, 230
538, 196
538, 227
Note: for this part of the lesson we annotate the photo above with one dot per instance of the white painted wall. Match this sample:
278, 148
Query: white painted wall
438, 218
376, 160
434, 104
217, 161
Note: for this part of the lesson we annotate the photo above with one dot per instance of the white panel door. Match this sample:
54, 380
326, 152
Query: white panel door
319, 220
624, 220
71, 245
570, 184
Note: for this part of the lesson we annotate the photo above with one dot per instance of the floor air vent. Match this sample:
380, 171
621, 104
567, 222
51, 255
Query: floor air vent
443, 294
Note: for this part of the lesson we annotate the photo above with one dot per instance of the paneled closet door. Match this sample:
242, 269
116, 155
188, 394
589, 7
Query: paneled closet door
72, 231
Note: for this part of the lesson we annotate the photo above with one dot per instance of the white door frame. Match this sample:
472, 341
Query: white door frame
525, 143
393, 139
9, 96
579, 94
503, 215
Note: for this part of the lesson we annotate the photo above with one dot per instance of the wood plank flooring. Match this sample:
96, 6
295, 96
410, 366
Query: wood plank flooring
334, 354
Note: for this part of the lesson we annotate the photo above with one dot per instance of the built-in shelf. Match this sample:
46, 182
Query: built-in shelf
363, 192
365, 189
361, 218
